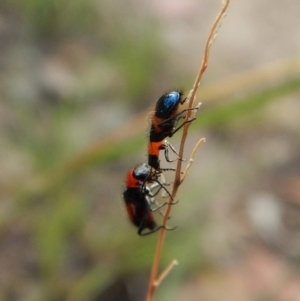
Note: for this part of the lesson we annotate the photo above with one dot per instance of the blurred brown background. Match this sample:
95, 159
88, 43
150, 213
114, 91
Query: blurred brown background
75, 78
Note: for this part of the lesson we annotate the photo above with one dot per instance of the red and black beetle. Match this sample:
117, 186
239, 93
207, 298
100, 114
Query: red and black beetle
138, 198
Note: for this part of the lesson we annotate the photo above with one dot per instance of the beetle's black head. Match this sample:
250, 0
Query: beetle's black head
141, 172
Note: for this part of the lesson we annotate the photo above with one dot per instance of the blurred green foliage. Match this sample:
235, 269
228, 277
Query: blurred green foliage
55, 19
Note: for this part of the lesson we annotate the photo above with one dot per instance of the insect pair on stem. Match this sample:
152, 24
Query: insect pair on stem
144, 182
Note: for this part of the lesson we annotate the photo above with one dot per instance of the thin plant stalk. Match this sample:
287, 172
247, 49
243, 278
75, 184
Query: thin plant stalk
153, 282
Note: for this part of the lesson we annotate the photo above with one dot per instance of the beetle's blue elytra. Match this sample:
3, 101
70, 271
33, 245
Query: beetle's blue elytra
171, 99
167, 103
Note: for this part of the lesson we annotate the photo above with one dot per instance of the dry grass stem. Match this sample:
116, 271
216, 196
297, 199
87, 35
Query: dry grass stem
177, 181
164, 274
191, 160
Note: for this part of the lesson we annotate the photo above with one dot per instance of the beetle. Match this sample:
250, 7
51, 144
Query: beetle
164, 123
138, 199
